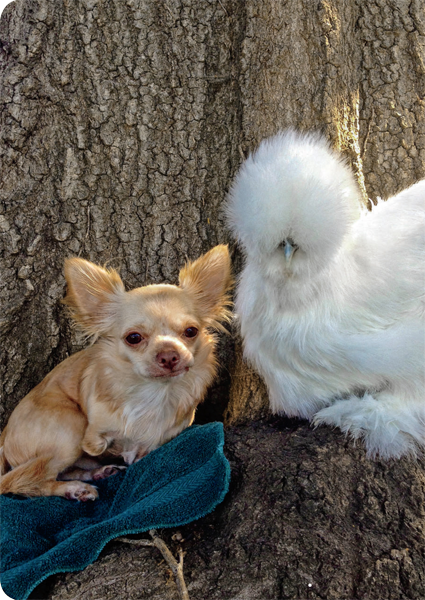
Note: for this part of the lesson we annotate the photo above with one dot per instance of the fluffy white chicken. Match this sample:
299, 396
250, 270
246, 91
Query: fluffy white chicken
331, 298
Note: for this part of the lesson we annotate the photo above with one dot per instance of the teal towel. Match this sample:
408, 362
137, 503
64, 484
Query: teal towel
180, 482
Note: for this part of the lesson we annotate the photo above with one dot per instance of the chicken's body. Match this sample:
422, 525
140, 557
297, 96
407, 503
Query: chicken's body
338, 335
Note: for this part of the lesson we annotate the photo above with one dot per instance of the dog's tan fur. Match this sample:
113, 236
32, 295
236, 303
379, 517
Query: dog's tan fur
115, 398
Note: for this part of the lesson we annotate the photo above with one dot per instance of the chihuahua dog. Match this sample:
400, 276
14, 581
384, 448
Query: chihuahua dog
134, 389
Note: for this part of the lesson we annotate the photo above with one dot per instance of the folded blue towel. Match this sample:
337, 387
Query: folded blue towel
180, 482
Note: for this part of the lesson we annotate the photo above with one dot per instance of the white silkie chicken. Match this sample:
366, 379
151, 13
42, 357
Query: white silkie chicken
331, 298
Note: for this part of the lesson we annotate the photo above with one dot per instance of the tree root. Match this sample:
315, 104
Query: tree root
176, 567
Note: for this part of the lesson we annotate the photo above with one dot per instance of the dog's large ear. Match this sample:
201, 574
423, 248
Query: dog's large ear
209, 280
93, 294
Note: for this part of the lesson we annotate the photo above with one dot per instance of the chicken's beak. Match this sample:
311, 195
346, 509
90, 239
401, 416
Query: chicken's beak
289, 251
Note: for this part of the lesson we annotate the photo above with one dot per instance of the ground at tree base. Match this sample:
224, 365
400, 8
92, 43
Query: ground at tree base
307, 517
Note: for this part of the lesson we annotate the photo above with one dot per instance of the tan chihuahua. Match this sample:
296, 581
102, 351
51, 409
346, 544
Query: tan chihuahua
134, 389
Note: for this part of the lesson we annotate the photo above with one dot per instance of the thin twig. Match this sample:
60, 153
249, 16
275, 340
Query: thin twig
223, 7
176, 567
135, 542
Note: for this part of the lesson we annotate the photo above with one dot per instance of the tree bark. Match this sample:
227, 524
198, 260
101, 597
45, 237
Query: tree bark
122, 126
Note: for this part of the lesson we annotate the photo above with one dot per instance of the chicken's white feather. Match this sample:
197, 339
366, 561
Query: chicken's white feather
335, 325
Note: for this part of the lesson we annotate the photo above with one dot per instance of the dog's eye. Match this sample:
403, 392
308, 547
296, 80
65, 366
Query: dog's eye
133, 338
190, 332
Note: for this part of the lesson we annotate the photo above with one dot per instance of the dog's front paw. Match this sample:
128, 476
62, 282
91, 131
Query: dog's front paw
77, 490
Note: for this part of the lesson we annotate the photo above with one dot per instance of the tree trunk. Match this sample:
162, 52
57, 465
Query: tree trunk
123, 123
120, 129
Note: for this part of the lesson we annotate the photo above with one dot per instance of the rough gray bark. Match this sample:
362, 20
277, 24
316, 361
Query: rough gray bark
122, 125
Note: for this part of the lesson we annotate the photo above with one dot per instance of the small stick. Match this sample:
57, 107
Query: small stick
176, 567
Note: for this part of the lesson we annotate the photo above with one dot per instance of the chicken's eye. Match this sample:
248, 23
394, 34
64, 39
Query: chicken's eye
190, 332
133, 338
288, 242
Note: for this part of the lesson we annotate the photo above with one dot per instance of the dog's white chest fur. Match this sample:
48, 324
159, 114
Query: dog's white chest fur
149, 414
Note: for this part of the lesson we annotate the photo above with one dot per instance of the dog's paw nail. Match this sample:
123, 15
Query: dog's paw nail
86, 497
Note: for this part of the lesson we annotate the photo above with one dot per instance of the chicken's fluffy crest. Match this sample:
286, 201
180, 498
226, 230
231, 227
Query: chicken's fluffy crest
293, 185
